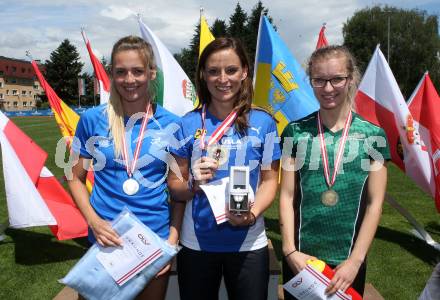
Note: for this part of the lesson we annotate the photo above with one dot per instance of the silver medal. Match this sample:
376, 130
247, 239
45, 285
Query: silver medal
130, 186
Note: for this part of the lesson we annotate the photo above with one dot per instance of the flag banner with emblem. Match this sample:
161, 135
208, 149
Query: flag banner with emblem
280, 84
380, 101
33, 195
174, 90
100, 73
424, 105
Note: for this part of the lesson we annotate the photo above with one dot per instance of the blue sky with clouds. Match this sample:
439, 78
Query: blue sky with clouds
41, 25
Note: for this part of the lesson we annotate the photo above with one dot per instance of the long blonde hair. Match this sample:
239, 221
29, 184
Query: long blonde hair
115, 111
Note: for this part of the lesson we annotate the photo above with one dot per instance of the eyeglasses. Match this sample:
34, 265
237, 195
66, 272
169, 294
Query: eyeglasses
336, 82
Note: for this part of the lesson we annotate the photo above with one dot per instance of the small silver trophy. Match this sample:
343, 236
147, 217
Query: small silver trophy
239, 190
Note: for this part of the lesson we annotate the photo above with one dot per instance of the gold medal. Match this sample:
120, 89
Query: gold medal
219, 153
329, 198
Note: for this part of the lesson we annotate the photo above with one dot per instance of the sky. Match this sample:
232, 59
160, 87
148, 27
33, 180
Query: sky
41, 25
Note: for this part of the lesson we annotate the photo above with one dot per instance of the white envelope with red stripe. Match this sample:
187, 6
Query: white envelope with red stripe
310, 285
138, 251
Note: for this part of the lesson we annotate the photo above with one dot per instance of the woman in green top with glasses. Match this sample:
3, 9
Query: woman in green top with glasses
333, 177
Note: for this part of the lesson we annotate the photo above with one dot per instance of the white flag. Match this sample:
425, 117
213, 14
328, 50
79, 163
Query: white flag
175, 91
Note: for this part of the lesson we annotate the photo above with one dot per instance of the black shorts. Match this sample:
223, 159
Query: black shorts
246, 274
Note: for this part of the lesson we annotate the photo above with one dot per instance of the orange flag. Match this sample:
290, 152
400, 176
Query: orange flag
66, 118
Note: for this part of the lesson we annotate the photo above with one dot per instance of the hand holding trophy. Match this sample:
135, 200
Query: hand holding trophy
239, 190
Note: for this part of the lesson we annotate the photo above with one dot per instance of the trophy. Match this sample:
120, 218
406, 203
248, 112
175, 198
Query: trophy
239, 190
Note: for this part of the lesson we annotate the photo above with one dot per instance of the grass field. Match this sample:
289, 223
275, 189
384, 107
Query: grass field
32, 260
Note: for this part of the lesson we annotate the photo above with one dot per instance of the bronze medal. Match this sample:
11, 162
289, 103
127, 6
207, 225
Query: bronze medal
329, 198
219, 153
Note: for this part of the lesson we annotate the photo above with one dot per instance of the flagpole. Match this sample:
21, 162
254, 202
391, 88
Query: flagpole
256, 49
79, 94
2, 231
94, 89
388, 52
418, 230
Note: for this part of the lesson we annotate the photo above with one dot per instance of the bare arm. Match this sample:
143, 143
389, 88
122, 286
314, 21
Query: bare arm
267, 189
104, 234
295, 259
178, 183
177, 211
347, 270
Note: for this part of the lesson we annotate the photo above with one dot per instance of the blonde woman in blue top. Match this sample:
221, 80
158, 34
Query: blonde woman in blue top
127, 140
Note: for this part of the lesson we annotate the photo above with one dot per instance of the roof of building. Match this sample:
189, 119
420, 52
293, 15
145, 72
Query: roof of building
17, 68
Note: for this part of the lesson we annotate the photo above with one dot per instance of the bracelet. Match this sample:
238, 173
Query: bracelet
254, 219
290, 253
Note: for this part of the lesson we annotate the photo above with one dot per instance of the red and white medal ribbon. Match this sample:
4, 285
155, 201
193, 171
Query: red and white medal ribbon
219, 132
130, 166
331, 182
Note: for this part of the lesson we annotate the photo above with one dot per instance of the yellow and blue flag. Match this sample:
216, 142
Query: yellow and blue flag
280, 84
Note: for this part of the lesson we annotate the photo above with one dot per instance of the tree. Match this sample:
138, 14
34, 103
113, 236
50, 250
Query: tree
237, 23
252, 27
87, 99
188, 61
219, 28
106, 64
62, 70
188, 57
414, 42
240, 26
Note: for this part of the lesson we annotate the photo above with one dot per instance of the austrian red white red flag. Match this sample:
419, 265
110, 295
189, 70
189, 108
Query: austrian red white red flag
100, 73
424, 106
34, 197
380, 101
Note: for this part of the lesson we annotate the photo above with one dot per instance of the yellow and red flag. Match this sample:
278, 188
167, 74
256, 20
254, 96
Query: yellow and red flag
65, 117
